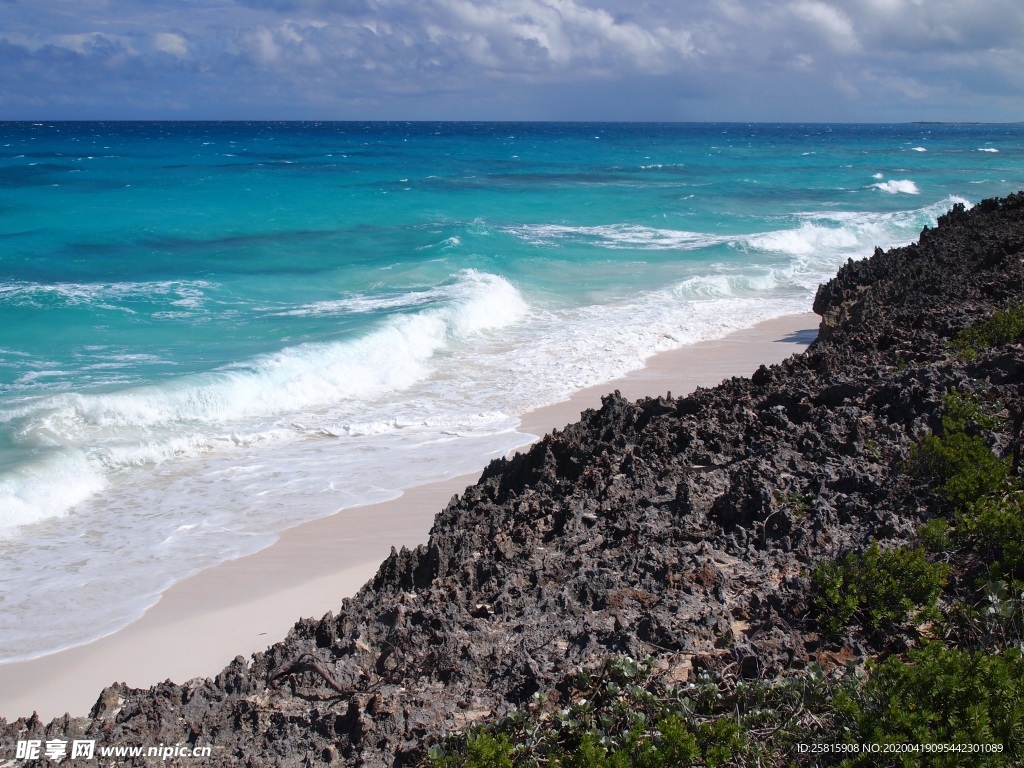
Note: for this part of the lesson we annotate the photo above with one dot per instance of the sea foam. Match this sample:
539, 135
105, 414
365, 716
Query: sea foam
190, 415
898, 186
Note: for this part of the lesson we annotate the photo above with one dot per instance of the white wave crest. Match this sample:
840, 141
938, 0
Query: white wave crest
617, 236
724, 286
47, 487
389, 358
188, 294
799, 258
234, 406
987, 149
898, 186
808, 238
359, 304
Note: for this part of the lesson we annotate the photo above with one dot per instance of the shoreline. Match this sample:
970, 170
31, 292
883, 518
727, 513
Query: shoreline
244, 605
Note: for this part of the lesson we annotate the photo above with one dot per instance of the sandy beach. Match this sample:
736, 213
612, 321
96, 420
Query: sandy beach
243, 606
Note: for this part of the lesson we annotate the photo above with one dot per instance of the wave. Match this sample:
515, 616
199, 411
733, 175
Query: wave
897, 186
361, 304
798, 258
724, 285
616, 236
188, 294
850, 233
491, 421
47, 487
343, 389
389, 358
825, 233
187, 416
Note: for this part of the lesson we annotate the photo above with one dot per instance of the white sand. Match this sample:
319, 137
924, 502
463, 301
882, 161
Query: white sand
242, 606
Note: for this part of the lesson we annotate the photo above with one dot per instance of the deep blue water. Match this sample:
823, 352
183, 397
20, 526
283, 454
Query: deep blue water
210, 332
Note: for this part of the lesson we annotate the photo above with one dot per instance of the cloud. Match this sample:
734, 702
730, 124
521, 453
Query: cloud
262, 44
172, 43
366, 58
834, 26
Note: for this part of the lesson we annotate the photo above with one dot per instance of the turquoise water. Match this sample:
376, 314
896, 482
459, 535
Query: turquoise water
210, 332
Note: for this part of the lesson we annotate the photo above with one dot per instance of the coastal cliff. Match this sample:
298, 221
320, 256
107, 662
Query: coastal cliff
694, 533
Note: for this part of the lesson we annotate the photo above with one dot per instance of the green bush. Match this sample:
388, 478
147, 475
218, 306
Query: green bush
615, 719
934, 695
994, 528
879, 589
1005, 326
934, 534
676, 745
483, 749
940, 696
960, 457
989, 518
673, 745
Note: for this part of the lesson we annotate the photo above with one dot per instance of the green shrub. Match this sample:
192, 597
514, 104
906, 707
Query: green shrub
676, 745
994, 528
989, 520
483, 749
959, 457
1003, 327
880, 589
940, 696
718, 740
934, 534
673, 745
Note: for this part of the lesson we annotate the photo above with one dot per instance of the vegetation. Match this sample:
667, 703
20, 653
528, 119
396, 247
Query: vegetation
963, 683
987, 520
626, 716
1005, 326
879, 589
959, 457
941, 695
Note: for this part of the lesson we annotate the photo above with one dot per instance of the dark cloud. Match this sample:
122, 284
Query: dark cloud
503, 59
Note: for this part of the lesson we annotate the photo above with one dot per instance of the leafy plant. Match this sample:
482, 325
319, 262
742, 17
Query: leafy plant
1003, 327
934, 534
940, 695
959, 457
994, 529
880, 589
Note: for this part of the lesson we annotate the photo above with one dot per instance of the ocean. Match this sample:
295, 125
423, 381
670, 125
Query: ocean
212, 332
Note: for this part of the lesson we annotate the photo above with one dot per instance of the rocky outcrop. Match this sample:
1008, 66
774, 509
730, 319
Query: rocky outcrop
680, 528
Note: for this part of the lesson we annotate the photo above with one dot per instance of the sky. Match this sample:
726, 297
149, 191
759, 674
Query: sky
631, 60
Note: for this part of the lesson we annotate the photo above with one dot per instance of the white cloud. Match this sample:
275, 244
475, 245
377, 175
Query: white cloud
262, 45
88, 43
531, 34
172, 43
834, 26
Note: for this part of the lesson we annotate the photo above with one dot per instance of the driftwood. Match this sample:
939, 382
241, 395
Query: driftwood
307, 662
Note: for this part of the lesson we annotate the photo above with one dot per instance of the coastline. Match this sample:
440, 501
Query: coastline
244, 605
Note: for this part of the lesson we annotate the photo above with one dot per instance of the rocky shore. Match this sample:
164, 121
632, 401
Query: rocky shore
684, 529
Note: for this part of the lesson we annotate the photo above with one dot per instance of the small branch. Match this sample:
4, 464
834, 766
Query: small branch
309, 663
